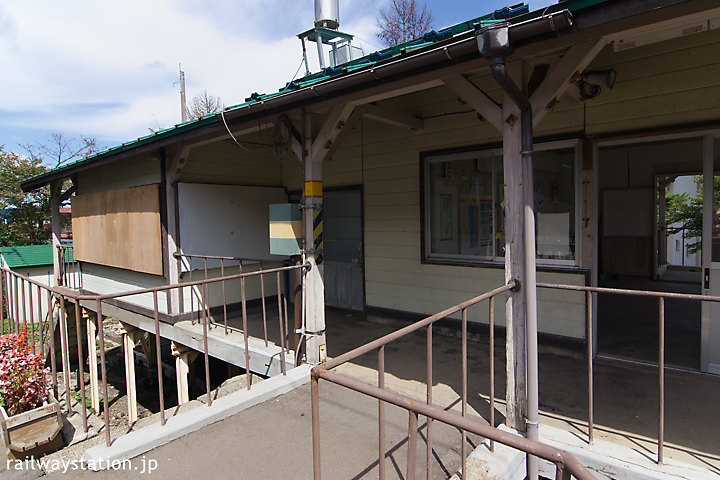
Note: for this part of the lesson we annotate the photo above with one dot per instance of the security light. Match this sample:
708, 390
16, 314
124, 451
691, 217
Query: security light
591, 83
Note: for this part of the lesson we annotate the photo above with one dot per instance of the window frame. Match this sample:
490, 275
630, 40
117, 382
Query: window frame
432, 157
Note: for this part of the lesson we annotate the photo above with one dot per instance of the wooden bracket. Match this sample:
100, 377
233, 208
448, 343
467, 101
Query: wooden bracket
558, 79
330, 130
477, 99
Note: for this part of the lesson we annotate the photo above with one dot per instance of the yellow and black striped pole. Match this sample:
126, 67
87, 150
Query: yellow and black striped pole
313, 191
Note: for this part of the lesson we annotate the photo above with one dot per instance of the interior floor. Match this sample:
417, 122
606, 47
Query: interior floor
628, 326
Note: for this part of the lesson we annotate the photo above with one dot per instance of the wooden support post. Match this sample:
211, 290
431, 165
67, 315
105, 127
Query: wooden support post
515, 308
316, 347
184, 356
173, 171
130, 383
149, 349
92, 362
55, 193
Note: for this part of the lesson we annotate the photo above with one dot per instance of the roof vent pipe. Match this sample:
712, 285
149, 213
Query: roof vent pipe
327, 14
496, 42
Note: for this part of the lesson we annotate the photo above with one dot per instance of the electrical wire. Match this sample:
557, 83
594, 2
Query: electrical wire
222, 115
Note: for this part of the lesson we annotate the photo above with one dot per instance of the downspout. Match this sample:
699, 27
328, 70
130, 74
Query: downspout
496, 43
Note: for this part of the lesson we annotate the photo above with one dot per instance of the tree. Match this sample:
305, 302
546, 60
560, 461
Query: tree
60, 149
25, 216
402, 22
204, 104
684, 214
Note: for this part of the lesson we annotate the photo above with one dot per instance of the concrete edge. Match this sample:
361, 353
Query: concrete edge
616, 461
136, 443
604, 459
505, 463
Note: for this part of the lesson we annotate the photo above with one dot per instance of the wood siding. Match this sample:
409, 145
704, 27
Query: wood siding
139, 170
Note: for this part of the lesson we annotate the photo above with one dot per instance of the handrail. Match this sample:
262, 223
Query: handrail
221, 257
562, 459
161, 288
566, 464
589, 327
356, 352
13, 287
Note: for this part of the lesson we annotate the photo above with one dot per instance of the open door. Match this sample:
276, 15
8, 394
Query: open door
710, 345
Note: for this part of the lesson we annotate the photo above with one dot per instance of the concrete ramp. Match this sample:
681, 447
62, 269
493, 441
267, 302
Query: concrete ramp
264, 360
142, 441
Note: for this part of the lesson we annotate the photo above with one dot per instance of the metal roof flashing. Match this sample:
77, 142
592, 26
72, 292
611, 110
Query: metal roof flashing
433, 48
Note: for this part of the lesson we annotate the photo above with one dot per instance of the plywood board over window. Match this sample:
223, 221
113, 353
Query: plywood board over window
119, 228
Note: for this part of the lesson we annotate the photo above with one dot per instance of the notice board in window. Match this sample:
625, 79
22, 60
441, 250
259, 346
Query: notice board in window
119, 228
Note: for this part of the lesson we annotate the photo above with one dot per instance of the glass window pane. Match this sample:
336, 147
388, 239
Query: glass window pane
554, 187
465, 209
461, 207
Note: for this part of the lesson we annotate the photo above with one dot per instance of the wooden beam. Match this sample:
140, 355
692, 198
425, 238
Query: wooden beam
561, 75
177, 163
391, 118
477, 99
68, 193
329, 131
352, 120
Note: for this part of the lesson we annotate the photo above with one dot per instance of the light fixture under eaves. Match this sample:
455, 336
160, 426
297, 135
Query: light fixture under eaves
591, 83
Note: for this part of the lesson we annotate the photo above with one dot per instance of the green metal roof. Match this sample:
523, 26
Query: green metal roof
28, 255
514, 14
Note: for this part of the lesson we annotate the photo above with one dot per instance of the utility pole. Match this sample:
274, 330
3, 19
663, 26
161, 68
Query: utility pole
183, 105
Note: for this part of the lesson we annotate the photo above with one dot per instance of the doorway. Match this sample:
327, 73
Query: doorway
642, 246
343, 249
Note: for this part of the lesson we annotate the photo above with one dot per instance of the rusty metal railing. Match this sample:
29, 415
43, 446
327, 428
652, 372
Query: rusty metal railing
590, 354
240, 263
18, 309
565, 463
70, 274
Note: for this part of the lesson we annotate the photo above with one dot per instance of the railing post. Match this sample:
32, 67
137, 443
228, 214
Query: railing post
205, 344
412, 445
81, 367
589, 339
661, 380
248, 374
381, 415
463, 447
103, 371
157, 356
491, 324
280, 319
262, 299
65, 352
222, 274
315, 409
428, 396
51, 342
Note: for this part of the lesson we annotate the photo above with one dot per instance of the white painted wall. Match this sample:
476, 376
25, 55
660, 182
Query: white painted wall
108, 280
226, 220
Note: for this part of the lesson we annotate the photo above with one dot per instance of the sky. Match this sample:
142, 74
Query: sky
109, 70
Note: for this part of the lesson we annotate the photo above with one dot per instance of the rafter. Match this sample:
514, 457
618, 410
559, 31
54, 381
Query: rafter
476, 98
391, 118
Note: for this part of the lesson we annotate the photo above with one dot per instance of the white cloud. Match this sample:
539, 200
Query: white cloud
108, 69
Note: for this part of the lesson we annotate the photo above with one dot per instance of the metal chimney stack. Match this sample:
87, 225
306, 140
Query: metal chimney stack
327, 14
